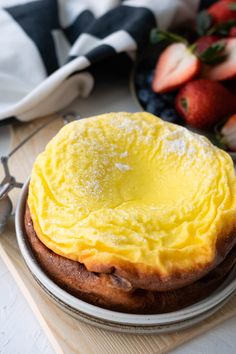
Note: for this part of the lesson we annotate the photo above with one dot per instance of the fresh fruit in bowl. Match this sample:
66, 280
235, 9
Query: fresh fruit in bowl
204, 42
232, 32
176, 65
222, 11
162, 105
227, 133
203, 103
226, 69
189, 77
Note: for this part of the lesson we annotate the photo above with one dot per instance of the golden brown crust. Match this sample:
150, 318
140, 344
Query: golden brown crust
144, 277
178, 278
117, 292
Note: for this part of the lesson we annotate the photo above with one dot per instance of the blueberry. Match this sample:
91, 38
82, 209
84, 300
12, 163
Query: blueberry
169, 115
140, 79
144, 95
169, 98
149, 77
155, 105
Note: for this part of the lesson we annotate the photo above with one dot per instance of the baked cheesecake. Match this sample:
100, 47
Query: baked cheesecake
124, 206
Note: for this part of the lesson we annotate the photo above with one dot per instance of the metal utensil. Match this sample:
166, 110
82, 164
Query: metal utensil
5, 211
9, 182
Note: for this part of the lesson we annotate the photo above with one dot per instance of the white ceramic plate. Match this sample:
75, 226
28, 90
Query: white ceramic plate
118, 321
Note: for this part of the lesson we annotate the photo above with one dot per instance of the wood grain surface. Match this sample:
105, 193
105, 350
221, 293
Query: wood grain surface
66, 334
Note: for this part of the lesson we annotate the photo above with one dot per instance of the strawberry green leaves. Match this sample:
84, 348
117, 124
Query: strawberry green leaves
213, 54
203, 23
157, 36
232, 6
222, 29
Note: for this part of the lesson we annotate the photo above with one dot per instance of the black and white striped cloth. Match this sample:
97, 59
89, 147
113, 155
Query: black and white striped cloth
48, 48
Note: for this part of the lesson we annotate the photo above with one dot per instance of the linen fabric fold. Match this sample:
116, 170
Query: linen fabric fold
49, 47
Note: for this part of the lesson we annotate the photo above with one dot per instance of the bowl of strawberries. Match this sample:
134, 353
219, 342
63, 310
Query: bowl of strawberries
188, 76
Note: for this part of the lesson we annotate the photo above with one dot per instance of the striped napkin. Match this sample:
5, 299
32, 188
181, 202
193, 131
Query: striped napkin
49, 49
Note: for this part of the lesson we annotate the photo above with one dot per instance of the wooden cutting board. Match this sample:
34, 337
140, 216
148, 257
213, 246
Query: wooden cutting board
66, 334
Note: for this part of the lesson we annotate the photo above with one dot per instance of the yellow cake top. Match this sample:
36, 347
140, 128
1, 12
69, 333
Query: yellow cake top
129, 188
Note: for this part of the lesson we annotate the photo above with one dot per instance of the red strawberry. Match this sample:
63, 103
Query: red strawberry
176, 66
232, 32
202, 103
227, 69
204, 43
228, 133
222, 11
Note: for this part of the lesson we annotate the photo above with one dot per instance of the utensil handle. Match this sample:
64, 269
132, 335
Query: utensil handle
9, 182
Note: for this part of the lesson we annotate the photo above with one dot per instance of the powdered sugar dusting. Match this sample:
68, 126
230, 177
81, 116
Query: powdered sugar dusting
126, 124
174, 142
133, 129
91, 178
124, 154
92, 186
100, 158
183, 142
122, 167
177, 146
103, 157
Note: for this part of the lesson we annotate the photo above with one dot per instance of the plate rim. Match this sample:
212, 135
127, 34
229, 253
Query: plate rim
104, 314
131, 328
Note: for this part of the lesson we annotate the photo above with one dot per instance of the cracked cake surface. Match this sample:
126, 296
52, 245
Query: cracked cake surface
130, 195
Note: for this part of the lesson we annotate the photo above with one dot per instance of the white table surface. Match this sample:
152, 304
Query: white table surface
20, 333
